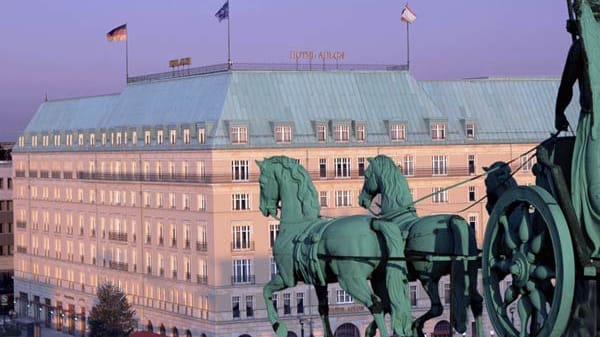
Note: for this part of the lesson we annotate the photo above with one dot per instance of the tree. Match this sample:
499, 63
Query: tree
112, 316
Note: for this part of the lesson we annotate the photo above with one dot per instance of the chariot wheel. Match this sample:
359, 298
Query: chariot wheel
528, 265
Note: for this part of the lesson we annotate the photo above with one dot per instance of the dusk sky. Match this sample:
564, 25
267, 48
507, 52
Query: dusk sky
58, 48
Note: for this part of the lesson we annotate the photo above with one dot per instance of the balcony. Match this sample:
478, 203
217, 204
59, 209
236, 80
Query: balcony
242, 245
118, 265
201, 279
201, 246
21, 224
20, 173
22, 249
243, 279
117, 236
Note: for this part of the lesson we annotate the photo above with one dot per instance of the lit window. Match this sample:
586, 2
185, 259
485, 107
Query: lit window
438, 131
239, 135
283, 134
470, 130
134, 138
321, 133
397, 132
341, 132
440, 195
440, 165
360, 133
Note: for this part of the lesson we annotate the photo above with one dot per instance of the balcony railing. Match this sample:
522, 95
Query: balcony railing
243, 279
22, 249
242, 245
202, 279
201, 246
118, 265
117, 236
21, 224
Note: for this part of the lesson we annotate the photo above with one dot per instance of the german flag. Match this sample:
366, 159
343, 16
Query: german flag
117, 34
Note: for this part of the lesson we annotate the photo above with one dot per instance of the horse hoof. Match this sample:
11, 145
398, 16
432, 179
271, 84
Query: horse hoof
280, 329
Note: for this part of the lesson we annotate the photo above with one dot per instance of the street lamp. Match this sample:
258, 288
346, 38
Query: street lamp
492, 333
301, 327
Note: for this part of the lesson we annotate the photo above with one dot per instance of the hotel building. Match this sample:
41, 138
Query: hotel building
155, 188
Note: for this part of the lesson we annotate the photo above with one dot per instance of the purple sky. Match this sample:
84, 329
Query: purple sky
59, 47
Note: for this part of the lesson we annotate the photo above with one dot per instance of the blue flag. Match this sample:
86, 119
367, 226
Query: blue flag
223, 13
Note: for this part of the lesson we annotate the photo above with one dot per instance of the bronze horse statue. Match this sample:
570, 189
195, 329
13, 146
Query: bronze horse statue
428, 236
317, 251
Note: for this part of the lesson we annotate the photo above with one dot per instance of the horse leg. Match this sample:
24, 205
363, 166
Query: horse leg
324, 309
476, 301
359, 289
276, 284
371, 329
460, 270
431, 288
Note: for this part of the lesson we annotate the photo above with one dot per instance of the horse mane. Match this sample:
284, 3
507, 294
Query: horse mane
392, 180
307, 193
500, 177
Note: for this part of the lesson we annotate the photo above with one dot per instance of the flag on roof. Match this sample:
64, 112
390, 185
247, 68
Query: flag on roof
223, 13
408, 15
117, 34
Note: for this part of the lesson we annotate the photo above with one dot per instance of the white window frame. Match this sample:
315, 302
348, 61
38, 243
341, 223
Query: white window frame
398, 132
321, 133
283, 134
241, 237
240, 170
239, 135
440, 195
361, 132
439, 165
342, 167
438, 131
343, 198
341, 133
240, 201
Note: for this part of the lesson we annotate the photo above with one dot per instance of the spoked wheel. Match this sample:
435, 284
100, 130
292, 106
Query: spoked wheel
528, 265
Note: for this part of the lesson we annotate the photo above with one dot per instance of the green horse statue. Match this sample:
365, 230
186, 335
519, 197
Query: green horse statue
316, 251
434, 245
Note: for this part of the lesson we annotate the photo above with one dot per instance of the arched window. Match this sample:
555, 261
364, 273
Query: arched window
347, 330
442, 329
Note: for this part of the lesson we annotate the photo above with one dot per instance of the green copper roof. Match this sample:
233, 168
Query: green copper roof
508, 110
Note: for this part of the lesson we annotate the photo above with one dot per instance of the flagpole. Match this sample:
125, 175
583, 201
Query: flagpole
127, 57
228, 36
407, 46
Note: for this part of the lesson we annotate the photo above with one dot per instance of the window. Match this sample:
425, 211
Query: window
201, 203
438, 131
160, 137
447, 293
56, 140
201, 136
287, 305
240, 201
275, 300
242, 271
323, 167
398, 132
273, 232
235, 306
239, 135
147, 138
361, 166
473, 220
342, 297
241, 237
239, 170
134, 138
249, 306
413, 295
470, 130
526, 163
440, 195
342, 167
360, 133
92, 139
471, 164
472, 196
186, 136
343, 198
409, 165
173, 137
440, 165
321, 133
283, 134
341, 132
323, 198
299, 303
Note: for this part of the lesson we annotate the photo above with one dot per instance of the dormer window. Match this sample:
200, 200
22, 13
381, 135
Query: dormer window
45, 141
397, 132
239, 135
147, 137
361, 134
201, 136
173, 137
470, 130
159, 137
321, 133
134, 137
283, 134
80, 139
56, 140
103, 139
438, 131
92, 139
186, 136
341, 132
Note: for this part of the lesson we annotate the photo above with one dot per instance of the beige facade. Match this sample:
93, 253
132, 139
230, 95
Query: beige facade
180, 231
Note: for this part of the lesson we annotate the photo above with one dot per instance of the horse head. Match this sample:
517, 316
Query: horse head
498, 181
269, 189
285, 185
383, 177
370, 186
